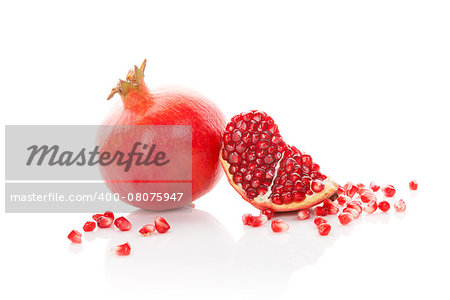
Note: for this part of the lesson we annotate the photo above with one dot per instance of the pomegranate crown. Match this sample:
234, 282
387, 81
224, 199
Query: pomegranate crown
134, 80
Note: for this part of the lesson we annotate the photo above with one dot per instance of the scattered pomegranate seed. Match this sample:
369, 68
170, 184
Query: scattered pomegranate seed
371, 207
388, 191
247, 219
279, 225
400, 205
89, 226
343, 199
332, 209
268, 213
75, 237
121, 250
109, 214
320, 211
345, 218
96, 216
147, 230
104, 222
413, 185
317, 186
352, 211
303, 214
350, 189
161, 225
258, 221
384, 206
122, 223
367, 196
324, 229
374, 187
355, 205
320, 220
340, 190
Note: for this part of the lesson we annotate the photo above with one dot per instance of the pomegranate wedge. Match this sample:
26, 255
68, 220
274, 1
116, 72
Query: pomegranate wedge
266, 171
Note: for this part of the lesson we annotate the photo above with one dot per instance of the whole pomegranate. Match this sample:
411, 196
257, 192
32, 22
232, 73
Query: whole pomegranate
142, 106
266, 171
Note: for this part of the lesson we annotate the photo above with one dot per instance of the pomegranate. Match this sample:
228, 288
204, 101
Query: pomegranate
142, 106
266, 171
279, 225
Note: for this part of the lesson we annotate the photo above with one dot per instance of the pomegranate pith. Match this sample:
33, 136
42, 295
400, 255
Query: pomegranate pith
266, 171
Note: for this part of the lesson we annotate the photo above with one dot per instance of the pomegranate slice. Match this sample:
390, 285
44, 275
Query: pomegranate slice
267, 172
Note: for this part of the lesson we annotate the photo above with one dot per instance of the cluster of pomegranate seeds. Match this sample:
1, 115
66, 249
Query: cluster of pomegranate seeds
122, 250
413, 185
303, 214
89, 226
75, 237
105, 220
279, 225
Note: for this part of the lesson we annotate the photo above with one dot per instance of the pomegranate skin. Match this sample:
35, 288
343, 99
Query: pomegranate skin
174, 106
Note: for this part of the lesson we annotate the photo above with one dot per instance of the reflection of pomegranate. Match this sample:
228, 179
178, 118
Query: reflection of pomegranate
266, 171
166, 107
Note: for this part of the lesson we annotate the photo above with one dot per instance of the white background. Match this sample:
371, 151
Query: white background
361, 85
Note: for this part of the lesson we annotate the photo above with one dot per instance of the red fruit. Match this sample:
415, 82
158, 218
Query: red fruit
75, 237
89, 226
320, 220
340, 190
121, 250
352, 211
104, 222
147, 230
96, 216
332, 209
109, 214
123, 224
400, 205
324, 229
371, 207
384, 206
343, 199
355, 205
320, 211
388, 191
374, 187
303, 214
258, 221
266, 171
367, 196
413, 185
345, 218
161, 225
279, 225
142, 106
268, 213
350, 189
247, 219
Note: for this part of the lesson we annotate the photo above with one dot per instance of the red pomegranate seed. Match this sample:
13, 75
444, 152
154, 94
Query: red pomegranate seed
247, 219
350, 189
371, 207
340, 190
317, 186
268, 213
109, 214
147, 230
400, 205
104, 222
355, 205
413, 185
122, 223
161, 225
258, 221
303, 214
75, 237
374, 187
345, 218
352, 211
89, 226
324, 229
367, 196
332, 209
279, 225
388, 191
320, 211
320, 220
96, 216
384, 206
343, 199
121, 250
